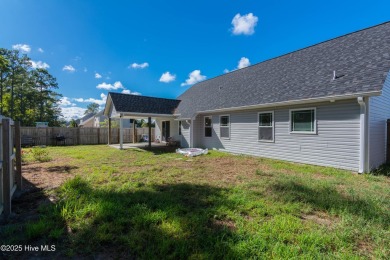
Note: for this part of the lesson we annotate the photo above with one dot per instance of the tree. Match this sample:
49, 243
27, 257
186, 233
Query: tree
92, 108
4, 69
114, 123
73, 123
27, 94
44, 83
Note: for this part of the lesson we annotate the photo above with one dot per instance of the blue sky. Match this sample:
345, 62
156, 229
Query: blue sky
160, 48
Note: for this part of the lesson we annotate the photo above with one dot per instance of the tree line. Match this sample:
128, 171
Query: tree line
27, 94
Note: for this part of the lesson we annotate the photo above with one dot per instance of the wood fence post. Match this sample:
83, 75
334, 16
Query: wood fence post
78, 135
98, 135
6, 167
388, 141
18, 150
47, 136
150, 132
109, 131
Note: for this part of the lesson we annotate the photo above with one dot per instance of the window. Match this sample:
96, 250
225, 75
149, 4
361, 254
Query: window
224, 126
266, 126
179, 127
208, 127
303, 121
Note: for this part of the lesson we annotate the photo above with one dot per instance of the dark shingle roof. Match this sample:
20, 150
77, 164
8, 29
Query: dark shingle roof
143, 104
86, 117
363, 57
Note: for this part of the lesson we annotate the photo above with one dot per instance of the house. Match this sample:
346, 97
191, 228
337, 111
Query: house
94, 120
326, 104
86, 120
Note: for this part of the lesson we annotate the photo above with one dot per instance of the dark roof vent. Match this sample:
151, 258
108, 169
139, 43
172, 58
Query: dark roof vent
335, 76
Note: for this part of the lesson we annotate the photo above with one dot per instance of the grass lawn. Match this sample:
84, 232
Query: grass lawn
141, 204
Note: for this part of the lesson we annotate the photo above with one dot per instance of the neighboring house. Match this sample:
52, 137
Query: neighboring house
94, 120
326, 104
87, 120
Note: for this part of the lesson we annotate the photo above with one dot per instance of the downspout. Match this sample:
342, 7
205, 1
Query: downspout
362, 146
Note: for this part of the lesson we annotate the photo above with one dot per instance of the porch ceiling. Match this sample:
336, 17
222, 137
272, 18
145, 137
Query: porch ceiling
142, 115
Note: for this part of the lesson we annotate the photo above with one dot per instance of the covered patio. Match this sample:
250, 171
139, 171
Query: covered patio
127, 106
138, 145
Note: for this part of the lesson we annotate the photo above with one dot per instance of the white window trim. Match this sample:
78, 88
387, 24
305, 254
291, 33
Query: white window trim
273, 126
204, 126
229, 126
303, 132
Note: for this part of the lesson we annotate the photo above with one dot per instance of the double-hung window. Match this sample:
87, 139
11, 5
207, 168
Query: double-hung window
266, 126
303, 121
208, 126
224, 126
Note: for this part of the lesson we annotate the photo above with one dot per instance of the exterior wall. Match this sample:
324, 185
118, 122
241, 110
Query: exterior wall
174, 129
379, 112
157, 130
185, 134
336, 143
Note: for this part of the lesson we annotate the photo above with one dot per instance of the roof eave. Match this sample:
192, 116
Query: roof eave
142, 115
296, 102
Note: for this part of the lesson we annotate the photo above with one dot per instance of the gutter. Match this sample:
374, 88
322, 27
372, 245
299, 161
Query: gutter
296, 102
363, 136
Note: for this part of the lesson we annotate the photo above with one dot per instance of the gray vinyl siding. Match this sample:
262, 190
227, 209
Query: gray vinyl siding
173, 130
336, 143
185, 134
379, 112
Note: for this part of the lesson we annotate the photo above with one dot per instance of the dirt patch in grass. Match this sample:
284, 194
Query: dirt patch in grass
45, 175
38, 180
221, 224
320, 218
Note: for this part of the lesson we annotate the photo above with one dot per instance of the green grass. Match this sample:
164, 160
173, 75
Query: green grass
156, 205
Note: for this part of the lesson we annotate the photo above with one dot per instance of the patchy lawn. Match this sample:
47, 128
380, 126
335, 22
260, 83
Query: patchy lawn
139, 204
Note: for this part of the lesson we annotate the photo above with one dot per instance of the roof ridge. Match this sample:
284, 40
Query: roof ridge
143, 96
291, 52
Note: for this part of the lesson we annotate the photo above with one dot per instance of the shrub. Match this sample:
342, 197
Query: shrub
40, 155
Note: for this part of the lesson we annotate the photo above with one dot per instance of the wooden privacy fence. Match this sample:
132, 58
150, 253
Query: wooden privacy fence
388, 141
11, 163
76, 135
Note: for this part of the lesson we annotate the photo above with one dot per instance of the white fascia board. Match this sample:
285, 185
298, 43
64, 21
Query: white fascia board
296, 102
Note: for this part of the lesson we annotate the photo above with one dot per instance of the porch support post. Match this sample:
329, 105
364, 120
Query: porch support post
109, 131
150, 132
134, 134
120, 132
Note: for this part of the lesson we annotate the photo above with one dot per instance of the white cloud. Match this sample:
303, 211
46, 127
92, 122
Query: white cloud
167, 77
194, 77
22, 47
127, 91
65, 101
243, 62
41, 50
139, 66
73, 112
39, 65
98, 76
101, 101
115, 86
69, 68
244, 24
